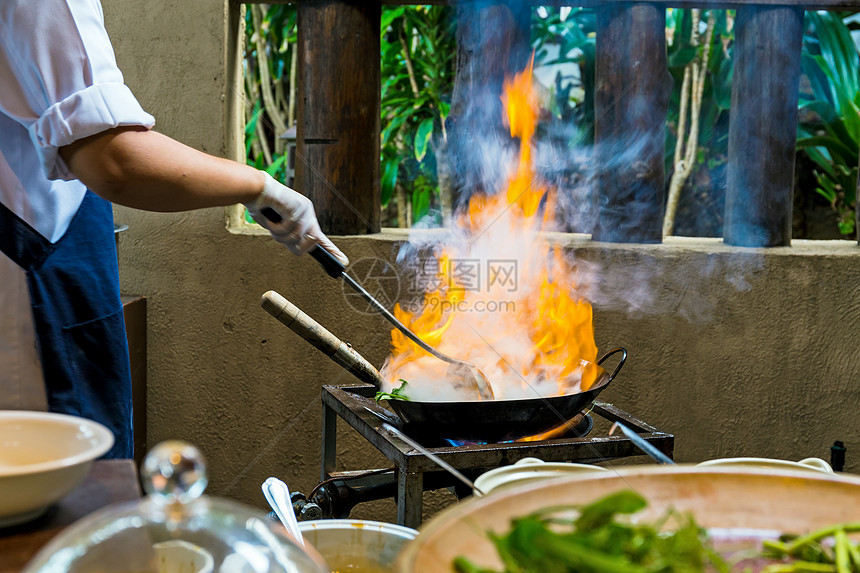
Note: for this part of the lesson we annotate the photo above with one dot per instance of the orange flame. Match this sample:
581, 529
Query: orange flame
544, 334
521, 104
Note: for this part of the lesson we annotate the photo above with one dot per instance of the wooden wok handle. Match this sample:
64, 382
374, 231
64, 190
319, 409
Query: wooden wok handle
312, 331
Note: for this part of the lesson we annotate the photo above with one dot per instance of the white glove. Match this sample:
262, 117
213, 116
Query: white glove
298, 228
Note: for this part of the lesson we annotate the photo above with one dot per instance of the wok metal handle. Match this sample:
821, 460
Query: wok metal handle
331, 265
623, 352
312, 331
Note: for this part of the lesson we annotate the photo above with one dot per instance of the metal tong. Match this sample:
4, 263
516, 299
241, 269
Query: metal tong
643, 445
465, 371
461, 369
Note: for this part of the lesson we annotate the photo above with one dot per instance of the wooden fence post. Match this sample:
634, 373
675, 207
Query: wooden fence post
492, 42
763, 126
632, 90
337, 146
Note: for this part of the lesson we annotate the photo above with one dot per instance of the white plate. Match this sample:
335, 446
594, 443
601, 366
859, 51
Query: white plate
527, 470
811, 464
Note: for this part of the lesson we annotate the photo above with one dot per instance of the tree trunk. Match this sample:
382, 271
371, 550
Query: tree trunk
404, 207
443, 176
291, 105
269, 102
687, 145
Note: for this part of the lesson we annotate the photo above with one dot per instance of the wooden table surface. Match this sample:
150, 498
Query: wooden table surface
109, 482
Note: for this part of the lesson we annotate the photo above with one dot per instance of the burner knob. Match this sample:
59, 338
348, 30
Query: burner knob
311, 511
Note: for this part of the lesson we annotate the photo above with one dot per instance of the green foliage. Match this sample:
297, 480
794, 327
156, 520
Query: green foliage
716, 99
829, 132
416, 104
422, 138
416, 101
566, 36
275, 25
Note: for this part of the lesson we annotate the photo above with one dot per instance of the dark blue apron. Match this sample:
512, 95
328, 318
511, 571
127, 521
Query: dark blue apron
74, 292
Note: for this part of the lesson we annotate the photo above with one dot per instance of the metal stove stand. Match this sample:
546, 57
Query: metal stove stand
414, 471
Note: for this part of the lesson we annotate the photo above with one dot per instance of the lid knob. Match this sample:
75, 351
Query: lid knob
174, 472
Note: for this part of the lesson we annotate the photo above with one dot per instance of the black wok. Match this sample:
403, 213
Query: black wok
500, 420
475, 421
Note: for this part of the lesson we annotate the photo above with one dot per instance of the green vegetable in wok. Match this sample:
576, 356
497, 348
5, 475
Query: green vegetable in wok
396, 394
594, 541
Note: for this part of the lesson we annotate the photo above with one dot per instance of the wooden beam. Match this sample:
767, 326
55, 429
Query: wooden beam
632, 91
337, 145
763, 126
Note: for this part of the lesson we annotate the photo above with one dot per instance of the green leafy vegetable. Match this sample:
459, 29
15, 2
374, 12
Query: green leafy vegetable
826, 549
595, 540
398, 393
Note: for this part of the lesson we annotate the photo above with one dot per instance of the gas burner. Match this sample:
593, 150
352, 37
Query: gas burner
414, 473
571, 429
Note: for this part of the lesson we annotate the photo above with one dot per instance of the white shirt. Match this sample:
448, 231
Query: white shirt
59, 82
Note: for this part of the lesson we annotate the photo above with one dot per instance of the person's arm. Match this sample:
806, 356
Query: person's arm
144, 169
140, 168
61, 82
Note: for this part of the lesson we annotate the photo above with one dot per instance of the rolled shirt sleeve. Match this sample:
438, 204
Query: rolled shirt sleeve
65, 84
82, 114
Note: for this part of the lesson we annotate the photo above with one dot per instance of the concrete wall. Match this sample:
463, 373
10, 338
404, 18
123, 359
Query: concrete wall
735, 351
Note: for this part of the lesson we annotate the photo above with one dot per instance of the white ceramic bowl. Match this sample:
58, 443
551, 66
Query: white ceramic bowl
43, 457
527, 470
357, 545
